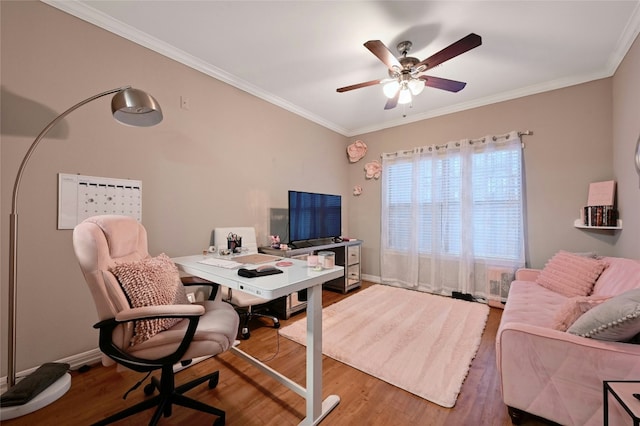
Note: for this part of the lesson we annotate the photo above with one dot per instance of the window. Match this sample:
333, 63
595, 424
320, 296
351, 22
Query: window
425, 197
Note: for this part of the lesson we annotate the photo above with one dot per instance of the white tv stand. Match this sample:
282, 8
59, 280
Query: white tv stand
347, 255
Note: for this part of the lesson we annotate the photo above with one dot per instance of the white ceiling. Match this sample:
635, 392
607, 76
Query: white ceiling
295, 54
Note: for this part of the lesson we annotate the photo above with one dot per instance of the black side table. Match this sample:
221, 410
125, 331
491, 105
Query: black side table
622, 391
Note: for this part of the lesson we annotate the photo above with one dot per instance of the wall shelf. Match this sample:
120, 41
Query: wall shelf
579, 224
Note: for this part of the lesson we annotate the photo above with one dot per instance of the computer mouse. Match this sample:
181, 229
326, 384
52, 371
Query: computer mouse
265, 268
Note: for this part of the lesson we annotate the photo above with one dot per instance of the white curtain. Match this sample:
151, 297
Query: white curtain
452, 216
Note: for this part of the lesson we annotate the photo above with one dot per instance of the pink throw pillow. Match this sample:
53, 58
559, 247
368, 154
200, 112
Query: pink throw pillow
573, 308
151, 282
570, 275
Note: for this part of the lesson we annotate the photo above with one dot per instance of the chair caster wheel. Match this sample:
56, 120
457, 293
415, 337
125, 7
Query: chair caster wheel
149, 389
276, 324
213, 382
219, 421
245, 333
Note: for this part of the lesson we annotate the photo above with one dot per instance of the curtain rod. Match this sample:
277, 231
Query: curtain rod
506, 135
472, 141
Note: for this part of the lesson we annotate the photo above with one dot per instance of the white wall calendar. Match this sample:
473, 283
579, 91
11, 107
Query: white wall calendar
80, 197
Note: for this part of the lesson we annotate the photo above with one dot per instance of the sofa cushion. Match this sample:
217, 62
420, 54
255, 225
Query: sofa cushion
570, 274
621, 275
150, 282
529, 303
617, 319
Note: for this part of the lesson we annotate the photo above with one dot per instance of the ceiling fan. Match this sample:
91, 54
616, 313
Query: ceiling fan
404, 81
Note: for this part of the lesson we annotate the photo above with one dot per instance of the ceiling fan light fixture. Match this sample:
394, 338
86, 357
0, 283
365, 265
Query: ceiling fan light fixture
405, 96
416, 86
391, 88
404, 80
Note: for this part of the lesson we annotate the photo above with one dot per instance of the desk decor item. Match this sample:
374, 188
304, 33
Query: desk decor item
129, 106
373, 170
327, 259
312, 260
275, 241
234, 242
356, 151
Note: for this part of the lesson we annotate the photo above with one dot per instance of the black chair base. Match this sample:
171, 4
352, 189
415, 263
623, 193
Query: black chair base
170, 395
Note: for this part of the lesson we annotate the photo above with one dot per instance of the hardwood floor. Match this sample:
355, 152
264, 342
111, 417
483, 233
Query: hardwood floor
252, 398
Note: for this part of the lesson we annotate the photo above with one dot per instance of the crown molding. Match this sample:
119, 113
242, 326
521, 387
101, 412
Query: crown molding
86, 13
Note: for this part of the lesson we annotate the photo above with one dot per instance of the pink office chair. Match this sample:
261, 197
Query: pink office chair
144, 336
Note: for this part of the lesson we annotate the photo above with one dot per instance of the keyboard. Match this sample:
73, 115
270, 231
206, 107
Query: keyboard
220, 263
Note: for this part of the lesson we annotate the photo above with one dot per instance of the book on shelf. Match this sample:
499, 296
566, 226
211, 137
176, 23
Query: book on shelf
599, 216
600, 209
602, 193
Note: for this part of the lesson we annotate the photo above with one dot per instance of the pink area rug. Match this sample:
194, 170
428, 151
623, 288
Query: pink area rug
416, 341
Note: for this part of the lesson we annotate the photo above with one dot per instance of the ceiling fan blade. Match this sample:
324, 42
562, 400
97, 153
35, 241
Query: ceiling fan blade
393, 102
359, 85
442, 83
463, 45
384, 54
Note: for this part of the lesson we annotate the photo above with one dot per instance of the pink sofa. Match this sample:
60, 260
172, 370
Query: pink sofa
554, 374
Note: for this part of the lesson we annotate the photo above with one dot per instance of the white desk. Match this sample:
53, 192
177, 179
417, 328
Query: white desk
296, 277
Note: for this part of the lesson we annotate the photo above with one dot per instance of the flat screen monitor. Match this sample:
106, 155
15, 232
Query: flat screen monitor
314, 216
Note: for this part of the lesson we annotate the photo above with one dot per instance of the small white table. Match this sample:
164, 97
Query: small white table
295, 278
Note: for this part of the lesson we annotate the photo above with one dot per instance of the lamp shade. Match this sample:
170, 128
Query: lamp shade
405, 96
391, 88
136, 108
416, 86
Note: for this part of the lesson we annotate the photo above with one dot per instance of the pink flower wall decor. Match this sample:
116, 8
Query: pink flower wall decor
356, 151
357, 190
373, 170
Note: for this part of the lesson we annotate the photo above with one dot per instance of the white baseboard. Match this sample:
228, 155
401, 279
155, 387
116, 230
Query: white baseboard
75, 361
371, 278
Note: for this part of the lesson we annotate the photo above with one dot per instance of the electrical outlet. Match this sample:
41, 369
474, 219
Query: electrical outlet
191, 297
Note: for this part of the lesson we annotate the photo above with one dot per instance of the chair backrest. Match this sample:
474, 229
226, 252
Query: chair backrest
248, 235
99, 242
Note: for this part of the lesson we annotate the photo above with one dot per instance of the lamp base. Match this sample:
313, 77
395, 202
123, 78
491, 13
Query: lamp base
44, 398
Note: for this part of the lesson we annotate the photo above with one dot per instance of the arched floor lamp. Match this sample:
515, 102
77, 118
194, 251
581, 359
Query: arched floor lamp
129, 106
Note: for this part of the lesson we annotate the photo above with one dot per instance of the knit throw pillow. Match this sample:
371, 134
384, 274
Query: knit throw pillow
570, 275
150, 282
573, 308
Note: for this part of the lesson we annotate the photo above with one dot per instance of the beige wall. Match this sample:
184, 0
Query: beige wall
571, 146
626, 132
232, 156
224, 162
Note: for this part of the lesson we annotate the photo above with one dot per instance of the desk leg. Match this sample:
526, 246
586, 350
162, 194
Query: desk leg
316, 408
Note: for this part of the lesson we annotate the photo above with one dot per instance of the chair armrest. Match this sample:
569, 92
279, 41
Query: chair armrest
108, 327
527, 274
159, 311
